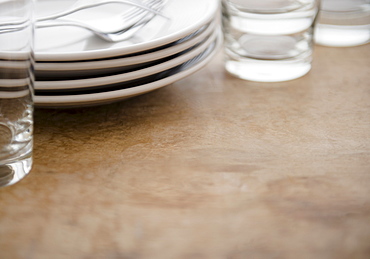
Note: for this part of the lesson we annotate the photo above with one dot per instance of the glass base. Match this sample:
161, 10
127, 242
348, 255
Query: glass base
267, 71
342, 36
14, 171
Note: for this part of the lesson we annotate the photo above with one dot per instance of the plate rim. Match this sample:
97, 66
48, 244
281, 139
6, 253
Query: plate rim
81, 100
124, 77
112, 52
120, 62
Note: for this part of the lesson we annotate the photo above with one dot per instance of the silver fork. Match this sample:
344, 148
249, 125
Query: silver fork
127, 24
86, 4
83, 5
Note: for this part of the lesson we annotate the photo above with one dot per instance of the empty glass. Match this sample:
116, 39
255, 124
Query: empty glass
16, 89
343, 23
268, 40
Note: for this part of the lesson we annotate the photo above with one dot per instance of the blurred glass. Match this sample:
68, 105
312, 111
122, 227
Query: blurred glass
343, 23
268, 40
16, 89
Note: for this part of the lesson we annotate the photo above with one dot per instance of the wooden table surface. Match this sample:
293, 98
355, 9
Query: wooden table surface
211, 167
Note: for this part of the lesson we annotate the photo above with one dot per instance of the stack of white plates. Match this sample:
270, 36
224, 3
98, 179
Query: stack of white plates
76, 68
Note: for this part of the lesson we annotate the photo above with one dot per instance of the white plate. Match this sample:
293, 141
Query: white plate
101, 82
78, 100
83, 69
73, 44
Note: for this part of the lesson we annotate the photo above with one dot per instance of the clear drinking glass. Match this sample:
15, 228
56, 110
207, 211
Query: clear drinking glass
16, 89
343, 23
268, 40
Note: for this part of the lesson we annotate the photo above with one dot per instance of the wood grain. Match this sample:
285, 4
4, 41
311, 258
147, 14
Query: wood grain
211, 167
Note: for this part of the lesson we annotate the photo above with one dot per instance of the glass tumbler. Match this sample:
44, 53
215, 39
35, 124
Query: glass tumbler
16, 89
268, 40
343, 23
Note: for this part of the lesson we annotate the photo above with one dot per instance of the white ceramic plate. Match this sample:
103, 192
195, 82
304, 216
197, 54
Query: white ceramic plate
73, 43
101, 82
83, 69
169, 77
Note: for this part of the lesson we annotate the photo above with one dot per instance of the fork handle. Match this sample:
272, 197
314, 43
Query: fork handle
73, 10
